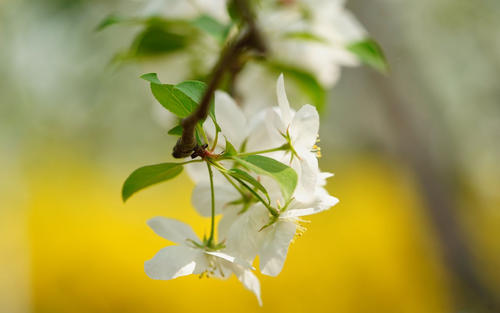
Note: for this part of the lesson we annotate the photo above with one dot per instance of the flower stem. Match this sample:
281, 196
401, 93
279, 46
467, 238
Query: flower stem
212, 224
280, 148
224, 171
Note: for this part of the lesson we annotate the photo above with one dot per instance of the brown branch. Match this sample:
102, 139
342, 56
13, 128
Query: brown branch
248, 39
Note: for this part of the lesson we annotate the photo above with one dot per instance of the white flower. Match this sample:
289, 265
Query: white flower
328, 21
300, 130
257, 232
191, 257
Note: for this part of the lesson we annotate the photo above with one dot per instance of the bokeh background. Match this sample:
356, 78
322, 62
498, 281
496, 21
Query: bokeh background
416, 156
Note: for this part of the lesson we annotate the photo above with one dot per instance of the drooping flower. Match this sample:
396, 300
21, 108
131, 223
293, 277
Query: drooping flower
192, 256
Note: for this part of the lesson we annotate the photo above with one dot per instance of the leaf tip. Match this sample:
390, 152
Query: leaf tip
151, 77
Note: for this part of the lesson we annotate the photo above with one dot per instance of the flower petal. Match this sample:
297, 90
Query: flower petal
201, 198
304, 128
244, 238
249, 280
275, 248
171, 262
283, 103
230, 118
308, 177
172, 230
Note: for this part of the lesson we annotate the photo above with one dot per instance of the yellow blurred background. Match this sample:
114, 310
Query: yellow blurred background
72, 129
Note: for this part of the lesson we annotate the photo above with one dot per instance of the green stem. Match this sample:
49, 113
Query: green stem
224, 171
281, 148
234, 185
212, 225
191, 161
215, 141
268, 207
202, 131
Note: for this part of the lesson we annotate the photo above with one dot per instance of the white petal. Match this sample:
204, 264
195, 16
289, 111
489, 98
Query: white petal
262, 136
275, 127
197, 171
304, 128
322, 177
274, 251
201, 198
172, 230
283, 103
230, 118
308, 177
226, 222
244, 238
172, 262
221, 255
250, 281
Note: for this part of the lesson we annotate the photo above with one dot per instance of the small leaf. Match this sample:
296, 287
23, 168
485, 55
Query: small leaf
157, 39
370, 53
284, 175
108, 21
237, 173
181, 99
149, 175
152, 78
176, 131
211, 26
230, 150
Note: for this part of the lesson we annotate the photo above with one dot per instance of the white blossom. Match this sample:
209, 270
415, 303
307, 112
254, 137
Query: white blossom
190, 256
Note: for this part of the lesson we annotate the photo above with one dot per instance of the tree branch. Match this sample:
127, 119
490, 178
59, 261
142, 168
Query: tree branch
248, 39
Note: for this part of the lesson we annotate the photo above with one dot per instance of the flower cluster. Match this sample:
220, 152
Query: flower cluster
263, 177
253, 163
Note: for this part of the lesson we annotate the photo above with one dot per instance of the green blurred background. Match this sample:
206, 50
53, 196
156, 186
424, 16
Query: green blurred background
415, 156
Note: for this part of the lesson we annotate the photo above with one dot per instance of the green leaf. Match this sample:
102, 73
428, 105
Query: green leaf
152, 78
305, 81
193, 89
176, 131
370, 53
149, 175
211, 26
230, 150
181, 99
173, 99
237, 173
284, 175
157, 39
108, 21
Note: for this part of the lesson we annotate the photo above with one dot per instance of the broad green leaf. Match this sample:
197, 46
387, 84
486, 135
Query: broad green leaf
370, 53
176, 131
305, 81
193, 89
173, 99
211, 26
284, 175
149, 175
237, 173
181, 99
156, 40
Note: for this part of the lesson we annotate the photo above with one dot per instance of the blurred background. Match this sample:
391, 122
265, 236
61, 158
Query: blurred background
415, 156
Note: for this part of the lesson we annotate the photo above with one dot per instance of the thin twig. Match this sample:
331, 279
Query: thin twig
248, 39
